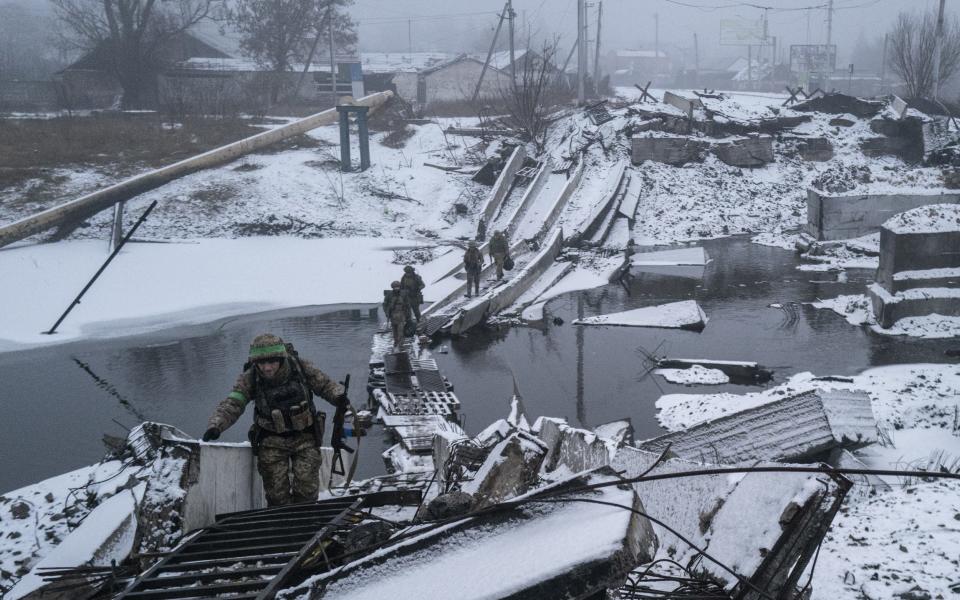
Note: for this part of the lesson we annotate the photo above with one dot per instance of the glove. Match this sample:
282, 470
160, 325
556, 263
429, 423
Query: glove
342, 401
211, 434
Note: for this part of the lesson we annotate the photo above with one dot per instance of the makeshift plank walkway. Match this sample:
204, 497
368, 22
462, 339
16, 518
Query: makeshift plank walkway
412, 399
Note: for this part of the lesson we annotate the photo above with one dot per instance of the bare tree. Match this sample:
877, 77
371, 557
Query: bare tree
130, 36
912, 41
25, 48
279, 33
536, 92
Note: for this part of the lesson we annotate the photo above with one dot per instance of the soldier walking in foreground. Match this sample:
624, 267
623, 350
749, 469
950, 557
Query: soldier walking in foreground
397, 309
412, 285
499, 250
472, 263
287, 428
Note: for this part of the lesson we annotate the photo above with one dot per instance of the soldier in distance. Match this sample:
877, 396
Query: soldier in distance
397, 309
412, 285
287, 428
472, 264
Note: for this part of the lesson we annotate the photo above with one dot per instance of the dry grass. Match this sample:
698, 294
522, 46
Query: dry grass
28, 146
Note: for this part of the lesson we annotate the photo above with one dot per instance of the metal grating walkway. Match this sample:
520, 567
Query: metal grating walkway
250, 554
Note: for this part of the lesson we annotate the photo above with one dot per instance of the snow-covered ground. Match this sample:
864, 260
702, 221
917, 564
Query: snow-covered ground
883, 542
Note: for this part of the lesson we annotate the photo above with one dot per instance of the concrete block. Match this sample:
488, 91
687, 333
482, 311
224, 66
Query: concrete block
746, 152
672, 151
889, 308
510, 470
915, 252
576, 449
795, 429
849, 216
815, 149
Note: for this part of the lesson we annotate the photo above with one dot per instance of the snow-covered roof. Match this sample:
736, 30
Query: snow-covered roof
641, 54
402, 62
501, 60
243, 65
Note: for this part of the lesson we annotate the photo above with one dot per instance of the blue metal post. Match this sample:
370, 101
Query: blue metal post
344, 138
364, 137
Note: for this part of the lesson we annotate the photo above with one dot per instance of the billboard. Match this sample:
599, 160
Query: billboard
813, 58
741, 32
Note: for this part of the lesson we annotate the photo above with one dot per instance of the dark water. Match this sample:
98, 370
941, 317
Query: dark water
59, 401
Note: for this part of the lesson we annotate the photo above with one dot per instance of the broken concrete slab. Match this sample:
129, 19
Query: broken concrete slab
687, 105
559, 548
815, 149
795, 429
676, 151
579, 449
742, 372
753, 151
510, 470
863, 485
685, 314
767, 526
106, 534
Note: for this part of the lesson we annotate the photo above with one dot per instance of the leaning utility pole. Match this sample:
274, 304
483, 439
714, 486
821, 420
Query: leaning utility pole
937, 48
581, 51
513, 65
596, 53
486, 63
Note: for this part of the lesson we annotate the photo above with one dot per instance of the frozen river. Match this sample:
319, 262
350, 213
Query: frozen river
58, 401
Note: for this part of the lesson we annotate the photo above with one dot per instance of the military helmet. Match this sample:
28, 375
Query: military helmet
267, 345
408, 269
395, 285
471, 244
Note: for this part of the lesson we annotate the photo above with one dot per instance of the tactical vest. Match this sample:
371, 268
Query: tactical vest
287, 407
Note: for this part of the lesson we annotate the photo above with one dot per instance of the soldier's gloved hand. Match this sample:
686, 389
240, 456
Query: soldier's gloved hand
342, 401
211, 434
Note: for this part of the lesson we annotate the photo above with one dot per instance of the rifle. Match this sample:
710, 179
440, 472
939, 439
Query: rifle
336, 438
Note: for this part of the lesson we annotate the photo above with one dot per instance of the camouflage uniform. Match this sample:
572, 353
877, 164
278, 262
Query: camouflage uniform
283, 420
472, 263
397, 309
412, 285
498, 251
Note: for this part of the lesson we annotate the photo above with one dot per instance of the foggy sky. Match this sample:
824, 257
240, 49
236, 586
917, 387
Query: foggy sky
444, 25
625, 24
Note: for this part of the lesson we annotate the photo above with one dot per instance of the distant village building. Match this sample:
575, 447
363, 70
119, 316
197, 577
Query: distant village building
639, 66
451, 81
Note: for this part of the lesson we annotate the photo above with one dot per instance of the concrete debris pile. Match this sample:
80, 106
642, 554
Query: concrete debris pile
564, 541
919, 271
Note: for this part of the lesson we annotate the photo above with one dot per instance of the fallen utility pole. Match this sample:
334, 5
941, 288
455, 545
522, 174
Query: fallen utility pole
103, 267
90, 204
